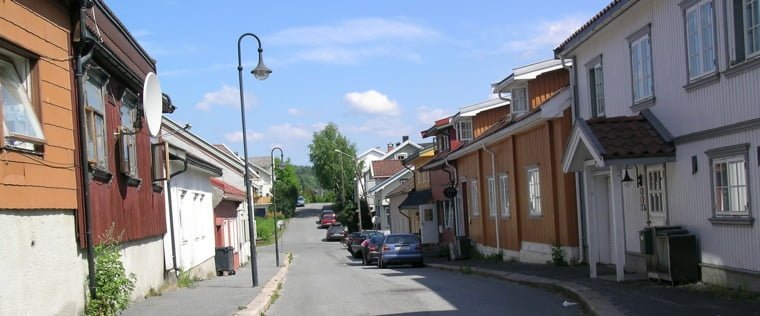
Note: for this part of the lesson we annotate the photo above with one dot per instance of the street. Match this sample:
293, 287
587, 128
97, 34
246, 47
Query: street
323, 279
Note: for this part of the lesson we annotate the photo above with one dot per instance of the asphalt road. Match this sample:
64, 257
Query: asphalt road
323, 279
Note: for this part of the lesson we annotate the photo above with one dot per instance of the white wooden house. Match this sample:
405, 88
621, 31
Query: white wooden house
667, 93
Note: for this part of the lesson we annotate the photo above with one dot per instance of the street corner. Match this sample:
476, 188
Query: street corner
269, 292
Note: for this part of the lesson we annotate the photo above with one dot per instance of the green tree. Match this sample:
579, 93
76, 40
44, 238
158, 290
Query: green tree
286, 188
310, 188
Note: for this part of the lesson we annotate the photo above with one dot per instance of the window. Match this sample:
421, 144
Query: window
95, 120
448, 211
21, 128
128, 139
519, 100
596, 85
729, 181
491, 197
743, 29
700, 39
504, 187
641, 67
401, 156
534, 192
474, 198
656, 190
465, 130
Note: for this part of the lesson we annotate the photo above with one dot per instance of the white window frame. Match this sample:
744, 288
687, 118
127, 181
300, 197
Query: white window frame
401, 156
534, 191
492, 196
464, 130
97, 139
656, 190
519, 99
699, 28
504, 188
474, 198
734, 160
128, 138
642, 79
751, 46
16, 85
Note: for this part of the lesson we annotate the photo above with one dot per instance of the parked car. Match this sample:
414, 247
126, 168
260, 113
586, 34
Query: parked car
400, 249
300, 201
354, 244
327, 220
334, 232
370, 249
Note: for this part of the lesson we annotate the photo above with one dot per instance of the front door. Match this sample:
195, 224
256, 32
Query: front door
602, 209
428, 224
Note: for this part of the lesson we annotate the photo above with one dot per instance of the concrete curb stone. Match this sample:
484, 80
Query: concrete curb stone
260, 304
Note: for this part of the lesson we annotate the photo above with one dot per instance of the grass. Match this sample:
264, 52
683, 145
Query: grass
275, 294
265, 230
465, 269
185, 280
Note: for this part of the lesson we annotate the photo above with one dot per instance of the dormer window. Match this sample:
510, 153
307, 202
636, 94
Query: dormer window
401, 156
464, 130
520, 100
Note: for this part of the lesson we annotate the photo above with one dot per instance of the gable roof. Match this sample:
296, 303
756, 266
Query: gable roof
598, 21
474, 109
262, 163
230, 192
388, 181
530, 72
398, 148
369, 151
385, 168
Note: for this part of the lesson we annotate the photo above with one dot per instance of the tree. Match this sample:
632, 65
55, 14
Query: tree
286, 188
333, 170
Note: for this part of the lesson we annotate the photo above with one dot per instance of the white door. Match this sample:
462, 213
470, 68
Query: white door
656, 194
602, 218
428, 224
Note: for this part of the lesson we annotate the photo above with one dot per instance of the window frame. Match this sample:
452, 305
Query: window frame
24, 72
596, 95
696, 6
521, 101
635, 41
475, 198
656, 191
748, 53
492, 196
534, 191
100, 80
461, 130
504, 195
727, 155
128, 157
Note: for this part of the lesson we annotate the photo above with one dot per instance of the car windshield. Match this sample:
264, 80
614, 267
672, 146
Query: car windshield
402, 239
336, 228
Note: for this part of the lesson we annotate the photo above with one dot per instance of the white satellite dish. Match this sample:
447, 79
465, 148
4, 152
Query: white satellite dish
152, 103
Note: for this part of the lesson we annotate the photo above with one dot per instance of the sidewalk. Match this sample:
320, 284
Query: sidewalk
603, 297
224, 295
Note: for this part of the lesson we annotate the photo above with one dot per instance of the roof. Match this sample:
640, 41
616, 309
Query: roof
262, 163
388, 181
437, 126
223, 148
386, 168
402, 189
530, 72
417, 198
474, 109
379, 152
592, 25
230, 192
398, 148
625, 137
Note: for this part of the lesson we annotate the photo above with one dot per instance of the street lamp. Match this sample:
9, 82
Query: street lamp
356, 195
261, 72
274, 202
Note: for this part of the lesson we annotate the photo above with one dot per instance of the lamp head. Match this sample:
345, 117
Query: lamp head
627, 180
261, 71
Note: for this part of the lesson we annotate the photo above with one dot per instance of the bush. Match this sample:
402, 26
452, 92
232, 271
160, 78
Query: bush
113, 285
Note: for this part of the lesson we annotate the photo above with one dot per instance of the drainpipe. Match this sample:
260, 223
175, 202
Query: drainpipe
493, 174
171, 215
82, 57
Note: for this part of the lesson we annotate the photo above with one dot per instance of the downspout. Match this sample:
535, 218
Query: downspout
171, 215
580, 190
82, 57
493, 174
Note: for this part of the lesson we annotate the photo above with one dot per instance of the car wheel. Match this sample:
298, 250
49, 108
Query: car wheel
365, 261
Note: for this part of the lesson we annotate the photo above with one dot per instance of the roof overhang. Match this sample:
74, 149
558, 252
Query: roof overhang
388, 181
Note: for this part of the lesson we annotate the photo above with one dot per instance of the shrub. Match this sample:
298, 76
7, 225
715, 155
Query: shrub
113, 285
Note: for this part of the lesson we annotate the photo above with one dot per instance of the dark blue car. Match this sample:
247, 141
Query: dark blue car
400, 249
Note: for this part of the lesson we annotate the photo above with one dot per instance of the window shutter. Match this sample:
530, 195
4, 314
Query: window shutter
738, 31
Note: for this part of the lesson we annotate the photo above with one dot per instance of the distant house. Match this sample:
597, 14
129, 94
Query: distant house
410, 205
667, 134
388, 174
263, 183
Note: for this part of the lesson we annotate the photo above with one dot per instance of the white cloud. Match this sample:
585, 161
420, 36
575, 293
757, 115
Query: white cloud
372, 102
226, 96
386, 128
548, 34
287, 131
318, 126
294, 111
237, 137
428, 116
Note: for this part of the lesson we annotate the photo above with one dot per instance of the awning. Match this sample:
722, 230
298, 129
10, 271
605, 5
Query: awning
417, 198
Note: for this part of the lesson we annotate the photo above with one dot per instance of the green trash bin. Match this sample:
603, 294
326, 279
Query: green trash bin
224, 260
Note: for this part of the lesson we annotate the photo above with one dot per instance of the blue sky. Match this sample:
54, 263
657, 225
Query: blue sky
378, 69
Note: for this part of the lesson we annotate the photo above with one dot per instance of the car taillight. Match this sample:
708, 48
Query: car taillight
372, 248
385, 247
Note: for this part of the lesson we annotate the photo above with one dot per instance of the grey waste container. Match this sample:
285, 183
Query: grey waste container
224, 260
464, 246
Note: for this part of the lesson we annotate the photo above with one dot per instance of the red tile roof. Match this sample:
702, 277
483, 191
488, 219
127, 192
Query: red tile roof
629, 137
230, 192
386, 168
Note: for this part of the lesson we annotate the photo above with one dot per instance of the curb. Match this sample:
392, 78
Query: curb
260, 304
592, 300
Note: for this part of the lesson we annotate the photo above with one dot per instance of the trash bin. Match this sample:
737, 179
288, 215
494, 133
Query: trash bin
464, 246
645, 240
224, 260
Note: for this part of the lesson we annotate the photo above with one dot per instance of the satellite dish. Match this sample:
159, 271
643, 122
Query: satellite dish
152, 103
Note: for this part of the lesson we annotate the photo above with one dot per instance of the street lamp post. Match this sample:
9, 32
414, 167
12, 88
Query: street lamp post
274, 202
261, 72
342, 179
356, 195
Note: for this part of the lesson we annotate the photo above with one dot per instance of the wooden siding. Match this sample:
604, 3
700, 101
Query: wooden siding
486, 119
543, 87
468, 168
42, 28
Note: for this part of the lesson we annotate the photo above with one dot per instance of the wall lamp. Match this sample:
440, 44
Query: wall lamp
627, 180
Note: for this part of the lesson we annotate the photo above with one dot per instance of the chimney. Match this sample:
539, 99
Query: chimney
390, 147
404, 138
